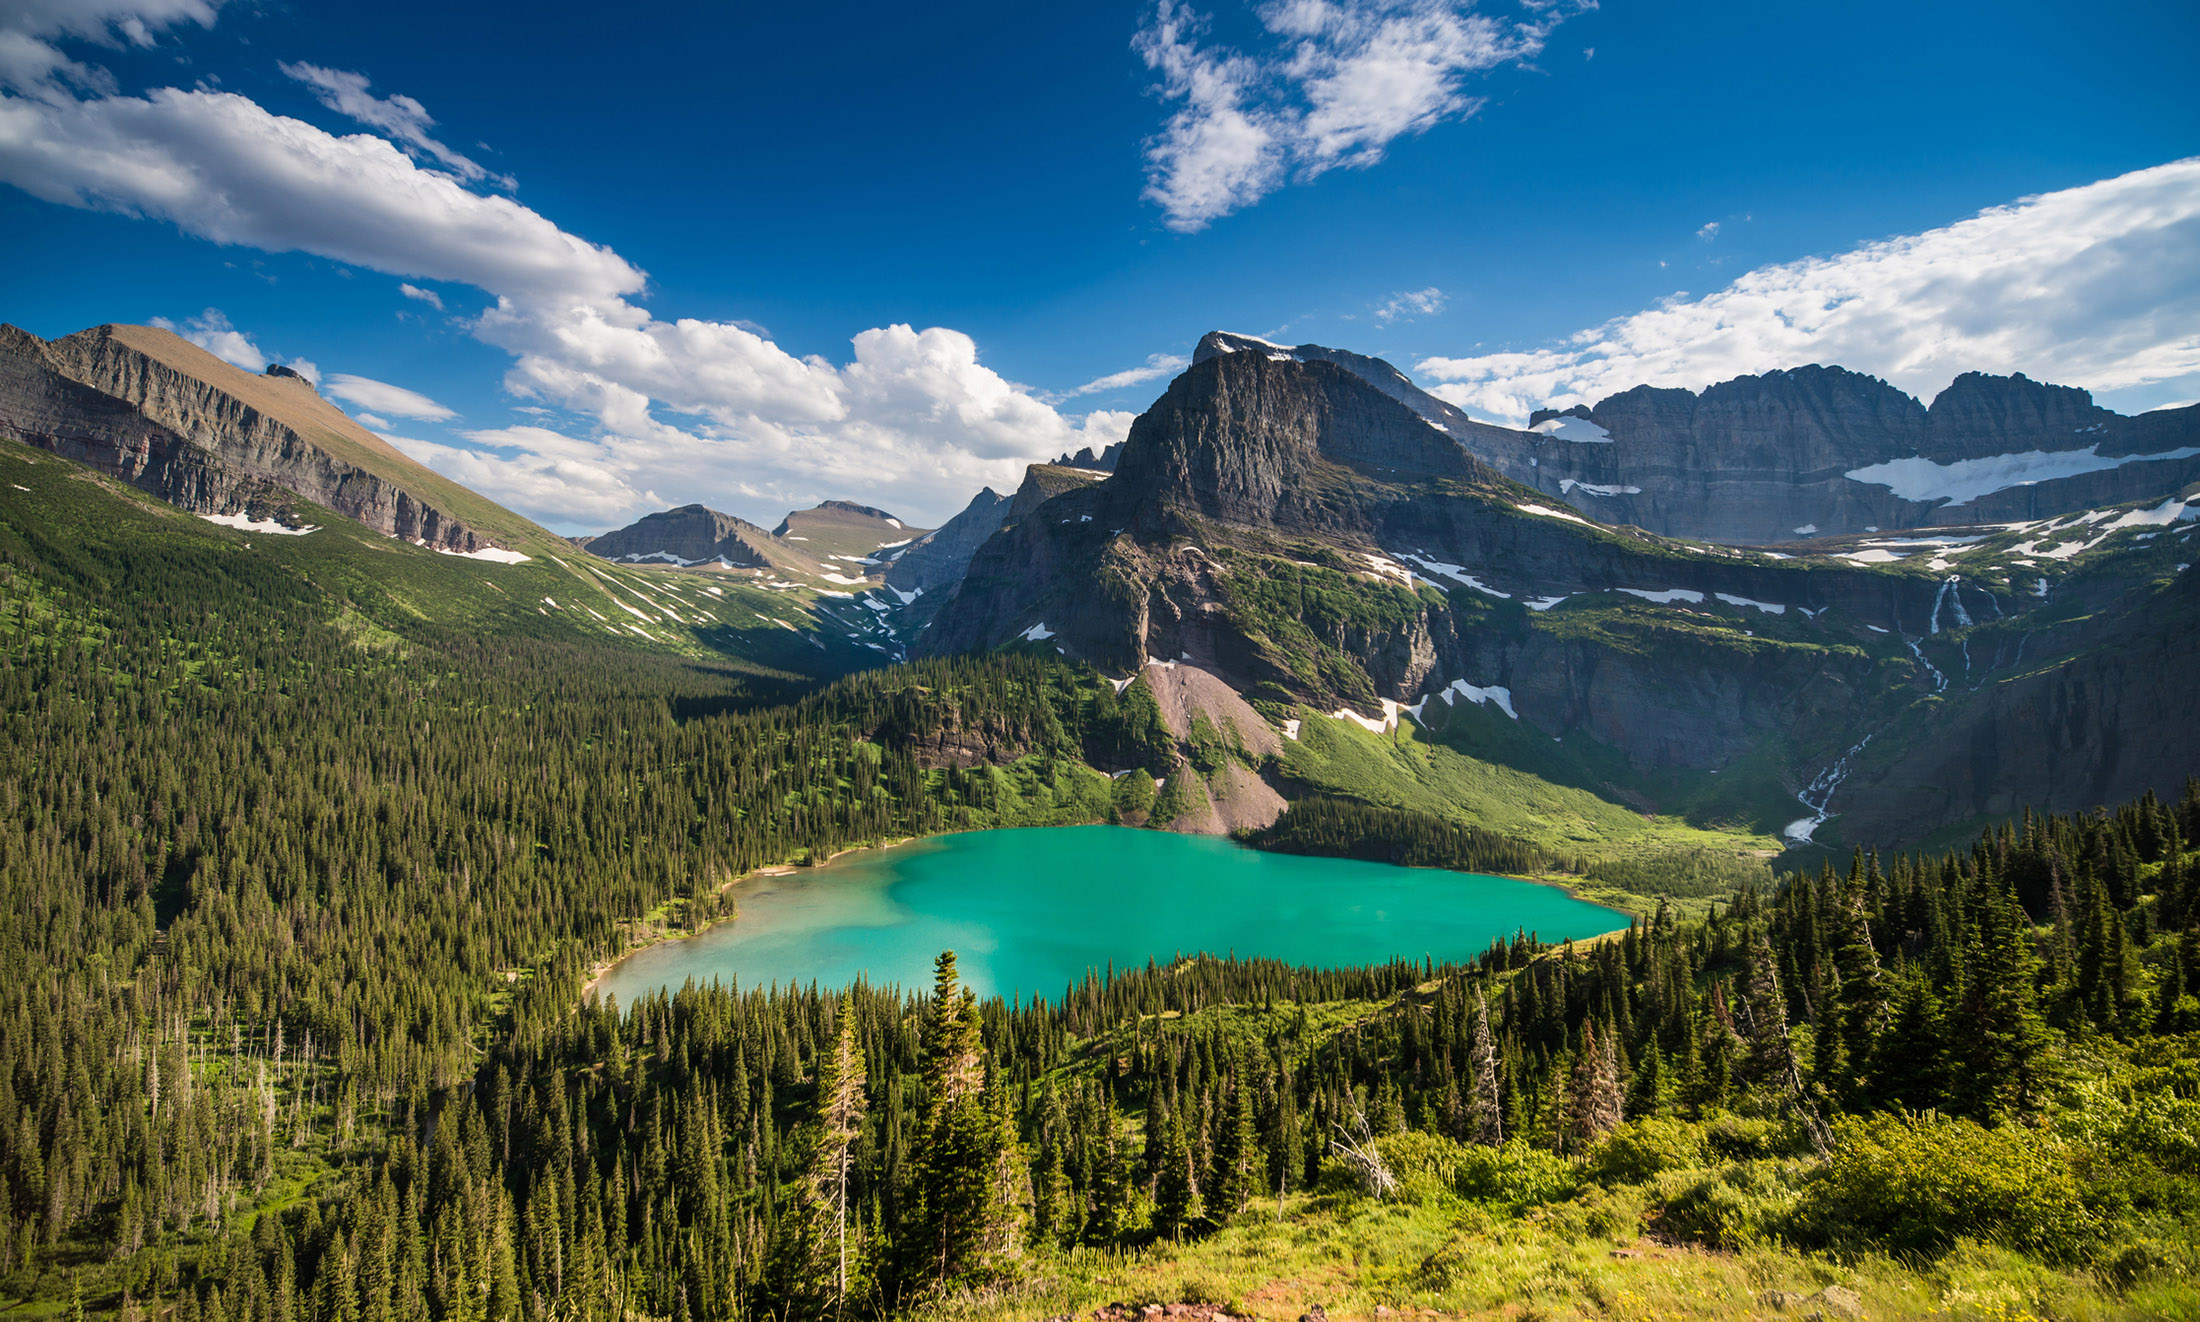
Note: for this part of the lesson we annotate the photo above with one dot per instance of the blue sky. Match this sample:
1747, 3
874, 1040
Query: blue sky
757, 256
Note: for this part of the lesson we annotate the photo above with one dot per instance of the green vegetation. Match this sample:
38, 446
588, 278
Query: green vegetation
1407, 768
1337, 829
307, 863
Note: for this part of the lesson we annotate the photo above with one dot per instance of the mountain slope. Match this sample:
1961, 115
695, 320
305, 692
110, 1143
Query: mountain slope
1315, 544
1810, 451
220, 440
695, 535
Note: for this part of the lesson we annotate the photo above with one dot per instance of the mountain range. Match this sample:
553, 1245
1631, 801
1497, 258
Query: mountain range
1799, 606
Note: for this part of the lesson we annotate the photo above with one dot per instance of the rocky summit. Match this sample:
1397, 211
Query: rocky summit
1810, 451
1318, 546
140, 404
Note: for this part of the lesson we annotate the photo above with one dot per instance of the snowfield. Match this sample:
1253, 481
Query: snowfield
494, 554
243, 524
1581, 431
1965, 480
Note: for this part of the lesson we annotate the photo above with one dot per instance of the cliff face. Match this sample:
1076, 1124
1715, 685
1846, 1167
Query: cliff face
939, 558
1808, 452
690, 534
41, 407
1309, 540
214, 439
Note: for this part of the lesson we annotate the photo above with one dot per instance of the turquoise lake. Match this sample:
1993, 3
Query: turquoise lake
1029, 911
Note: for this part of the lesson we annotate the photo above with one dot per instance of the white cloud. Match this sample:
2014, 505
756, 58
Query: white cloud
1709, 232
399, 116
1410, 304
211, 331
306, 368
1338, 82
382, 397
32, 62
1156, 366
538, 472
710, 410
374, 422
2096, 286
419, 295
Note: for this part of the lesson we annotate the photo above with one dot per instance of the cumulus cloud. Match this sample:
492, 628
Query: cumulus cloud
711, 410
1156, 366
2095, 286
419, 295
211, 331
31, 59
399, 116
382, 397
1410, 304
306, 368
1709, 232
536, 471
1336, 82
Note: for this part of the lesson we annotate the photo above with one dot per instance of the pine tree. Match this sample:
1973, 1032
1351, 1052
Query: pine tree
1997, 1054
1176, 1185
816, 1262
1489, 1106
1593, 1100
1241, 1166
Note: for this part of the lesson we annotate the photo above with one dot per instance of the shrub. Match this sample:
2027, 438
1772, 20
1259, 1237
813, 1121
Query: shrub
1921, 1181
1642, 1148
1740, 1205
1429, 1167
1741, 1138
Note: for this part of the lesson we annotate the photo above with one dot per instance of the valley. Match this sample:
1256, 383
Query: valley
323, 833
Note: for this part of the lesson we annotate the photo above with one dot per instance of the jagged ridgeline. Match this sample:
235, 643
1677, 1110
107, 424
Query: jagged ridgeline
1334, 553
311, 841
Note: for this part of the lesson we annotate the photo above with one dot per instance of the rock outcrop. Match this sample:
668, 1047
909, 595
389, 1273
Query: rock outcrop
688, 535
170, 418
1808, 452
1276, 523
938, 558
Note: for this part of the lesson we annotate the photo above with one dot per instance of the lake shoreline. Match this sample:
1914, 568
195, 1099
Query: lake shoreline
603, 969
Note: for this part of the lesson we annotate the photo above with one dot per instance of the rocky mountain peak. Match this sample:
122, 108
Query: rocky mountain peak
2007, 413
1246, 436
850, 507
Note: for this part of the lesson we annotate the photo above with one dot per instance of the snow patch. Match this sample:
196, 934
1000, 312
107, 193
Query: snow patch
1543, 603
1668, 596
1369, 723
1965, 480
1878, 555
1037, 633
1495, 695
1581, 431
243, 524
1768, 607
1549, 513
1806, 530
1567, 486
494, 554
1291, 729
2161, 516
1456, 573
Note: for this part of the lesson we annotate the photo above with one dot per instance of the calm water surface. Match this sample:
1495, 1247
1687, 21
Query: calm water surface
1030, 911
